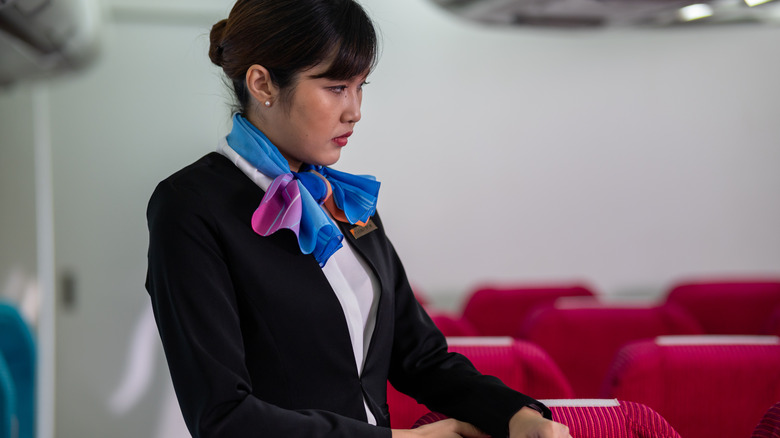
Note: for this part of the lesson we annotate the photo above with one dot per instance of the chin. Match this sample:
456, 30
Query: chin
329, 160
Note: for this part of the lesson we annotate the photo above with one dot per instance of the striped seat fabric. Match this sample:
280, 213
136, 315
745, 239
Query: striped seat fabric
500, 310
769, 426
520, 365
705, 386
610, 418
599, 419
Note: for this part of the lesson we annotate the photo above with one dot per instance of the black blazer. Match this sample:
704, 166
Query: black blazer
256, 340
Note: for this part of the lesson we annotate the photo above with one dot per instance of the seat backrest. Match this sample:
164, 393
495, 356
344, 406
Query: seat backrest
610, 418
499, 311
451, 325
7, 401
704, 386
420, 296
18, 348
713, 303
584, 340
598, 419
769, 426
773, 324
520, 365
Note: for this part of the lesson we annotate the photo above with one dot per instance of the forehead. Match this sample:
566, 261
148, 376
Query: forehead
317, 73
328, 69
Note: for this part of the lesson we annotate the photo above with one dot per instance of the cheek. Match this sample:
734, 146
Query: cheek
315, 117
309, 115
321, 121
324, 107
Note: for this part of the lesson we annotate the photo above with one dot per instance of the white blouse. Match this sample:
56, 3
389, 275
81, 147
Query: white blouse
353, 281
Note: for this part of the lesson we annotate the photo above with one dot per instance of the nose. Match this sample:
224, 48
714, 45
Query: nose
351, 113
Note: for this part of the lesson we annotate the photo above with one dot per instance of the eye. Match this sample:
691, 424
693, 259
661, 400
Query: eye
338, 89
363, 84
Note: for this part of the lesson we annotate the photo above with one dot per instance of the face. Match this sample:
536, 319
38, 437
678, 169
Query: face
313, 125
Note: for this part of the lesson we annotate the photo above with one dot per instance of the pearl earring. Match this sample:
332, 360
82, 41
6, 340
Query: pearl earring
267, 103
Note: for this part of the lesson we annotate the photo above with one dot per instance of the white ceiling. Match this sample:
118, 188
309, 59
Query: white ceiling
597, 13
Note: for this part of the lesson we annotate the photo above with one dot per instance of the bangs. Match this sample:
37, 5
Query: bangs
355, 50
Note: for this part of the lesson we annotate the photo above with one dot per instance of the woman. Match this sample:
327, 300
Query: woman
287, 318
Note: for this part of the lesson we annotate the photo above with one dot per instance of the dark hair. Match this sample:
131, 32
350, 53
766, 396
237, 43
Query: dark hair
289, 36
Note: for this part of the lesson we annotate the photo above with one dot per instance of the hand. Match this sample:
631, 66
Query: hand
528, 423
449, 428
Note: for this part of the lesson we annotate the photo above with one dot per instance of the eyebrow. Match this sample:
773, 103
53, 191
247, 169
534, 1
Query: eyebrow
317, 76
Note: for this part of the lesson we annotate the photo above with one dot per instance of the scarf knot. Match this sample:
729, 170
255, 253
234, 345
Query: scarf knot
296, 200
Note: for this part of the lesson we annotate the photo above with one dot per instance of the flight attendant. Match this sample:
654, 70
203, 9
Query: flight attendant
282, 307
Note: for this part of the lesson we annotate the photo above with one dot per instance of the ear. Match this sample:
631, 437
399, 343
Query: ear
259, 84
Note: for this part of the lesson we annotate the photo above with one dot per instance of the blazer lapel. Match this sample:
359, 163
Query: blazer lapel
358, 238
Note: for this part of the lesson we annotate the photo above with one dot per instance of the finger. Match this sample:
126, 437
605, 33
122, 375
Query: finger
468, 430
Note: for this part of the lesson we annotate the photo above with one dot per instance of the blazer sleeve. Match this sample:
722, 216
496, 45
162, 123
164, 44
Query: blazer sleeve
445, 382
197, 315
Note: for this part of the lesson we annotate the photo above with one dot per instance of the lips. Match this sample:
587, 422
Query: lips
342, 139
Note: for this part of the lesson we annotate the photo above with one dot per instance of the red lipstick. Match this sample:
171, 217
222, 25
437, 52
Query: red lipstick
342, 139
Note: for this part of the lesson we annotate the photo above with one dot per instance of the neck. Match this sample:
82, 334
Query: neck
254, 119
295, 165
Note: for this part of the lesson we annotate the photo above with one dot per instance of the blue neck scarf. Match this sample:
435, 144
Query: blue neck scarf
295, 200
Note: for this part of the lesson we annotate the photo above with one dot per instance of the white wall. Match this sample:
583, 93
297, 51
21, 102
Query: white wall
17, 194
151, 105
627, 159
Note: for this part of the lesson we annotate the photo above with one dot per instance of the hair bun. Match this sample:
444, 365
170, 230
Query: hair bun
216, 48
